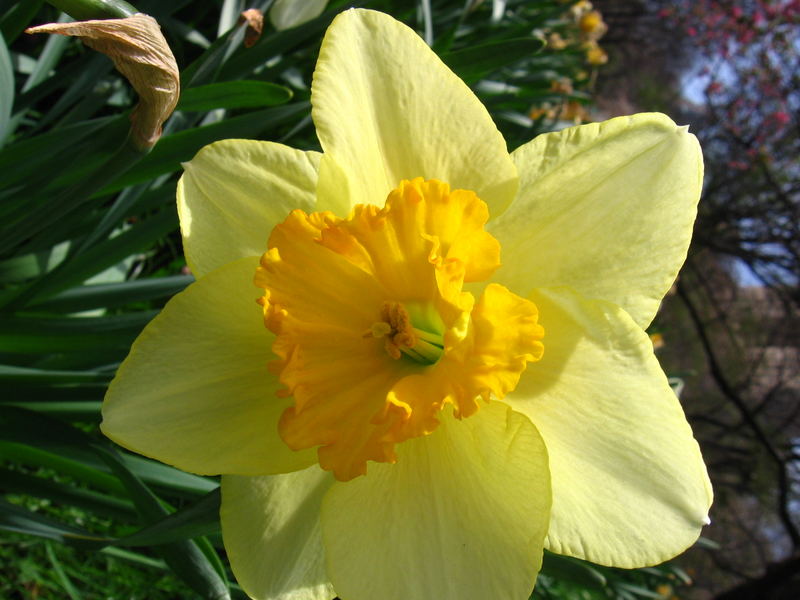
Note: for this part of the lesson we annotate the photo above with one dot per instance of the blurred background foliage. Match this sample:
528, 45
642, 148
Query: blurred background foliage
89, 252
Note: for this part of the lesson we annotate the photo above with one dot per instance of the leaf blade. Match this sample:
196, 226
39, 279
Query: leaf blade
6, 90
233, 94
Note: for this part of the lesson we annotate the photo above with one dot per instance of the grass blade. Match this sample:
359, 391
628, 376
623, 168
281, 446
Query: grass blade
66, 584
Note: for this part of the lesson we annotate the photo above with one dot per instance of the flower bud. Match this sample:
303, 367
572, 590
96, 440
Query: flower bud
139, 51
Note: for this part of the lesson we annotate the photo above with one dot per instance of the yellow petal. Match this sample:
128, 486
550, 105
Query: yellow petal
271, 530
334, 294
320, 304
381, 121
503, 336
234, 192
455, 217
629, 485
604, 208
461, 515
506, 336
139, 51
195, 391
374, 333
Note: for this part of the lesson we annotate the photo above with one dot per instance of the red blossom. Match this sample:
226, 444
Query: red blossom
739, 165
780, 117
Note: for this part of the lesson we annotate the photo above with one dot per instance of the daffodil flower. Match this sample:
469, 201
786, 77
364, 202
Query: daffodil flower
448, 370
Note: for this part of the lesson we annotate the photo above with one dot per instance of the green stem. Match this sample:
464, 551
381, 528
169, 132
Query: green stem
84, 10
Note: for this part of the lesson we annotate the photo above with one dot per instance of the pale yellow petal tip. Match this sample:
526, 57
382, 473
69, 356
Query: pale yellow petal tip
286, 14
653, 119
115, 430
707, 520
139, 51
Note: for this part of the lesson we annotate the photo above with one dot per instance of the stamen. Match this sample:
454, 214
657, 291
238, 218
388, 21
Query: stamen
379, 329
350, 400
402, 338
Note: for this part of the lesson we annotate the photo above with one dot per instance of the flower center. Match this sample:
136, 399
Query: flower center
373, 331
402, 337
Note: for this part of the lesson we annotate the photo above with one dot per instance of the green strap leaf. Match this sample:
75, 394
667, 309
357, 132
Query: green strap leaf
18, 17
565, 568
476, 62
233, 94
28, 427
44, 335
186, 558
195, 562
22, 520
13, 374
99, 503
41, 431
246, 60
45, 153
6, 90
36, 457
174, 149
198, 519
110, 295
83, 10
98, 258
85, 411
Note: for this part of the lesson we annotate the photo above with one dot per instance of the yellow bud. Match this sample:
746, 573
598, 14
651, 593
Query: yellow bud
556, 42
592, 22
562, 85
545, 111
575, 112
595, 55
658, 340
